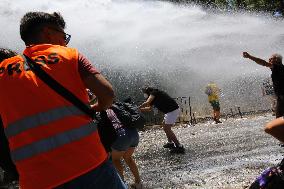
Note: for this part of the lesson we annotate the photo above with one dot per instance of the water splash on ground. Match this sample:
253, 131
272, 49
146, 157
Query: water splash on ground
228, 155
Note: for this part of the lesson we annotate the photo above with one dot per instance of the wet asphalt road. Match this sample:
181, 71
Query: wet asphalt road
227, 155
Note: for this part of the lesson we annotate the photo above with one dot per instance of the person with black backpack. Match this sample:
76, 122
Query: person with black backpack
118, 129
164, 103
121, 116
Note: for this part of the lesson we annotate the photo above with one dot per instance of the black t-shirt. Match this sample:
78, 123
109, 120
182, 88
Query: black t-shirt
278, 78
163, 101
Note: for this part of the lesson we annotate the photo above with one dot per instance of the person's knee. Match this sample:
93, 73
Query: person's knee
128, 159
268, 128
116, 158
116, 161
167, 127
273, 126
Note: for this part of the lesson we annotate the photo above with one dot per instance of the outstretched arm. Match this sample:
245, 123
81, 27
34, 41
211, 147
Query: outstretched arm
257, 60
146, 106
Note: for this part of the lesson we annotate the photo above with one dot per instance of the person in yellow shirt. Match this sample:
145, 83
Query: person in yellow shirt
213, 97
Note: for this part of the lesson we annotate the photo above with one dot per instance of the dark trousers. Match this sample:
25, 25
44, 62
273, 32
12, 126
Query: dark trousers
102, 177
280, 106
6, 162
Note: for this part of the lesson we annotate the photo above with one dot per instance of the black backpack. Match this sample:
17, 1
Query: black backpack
129, 115
106, 130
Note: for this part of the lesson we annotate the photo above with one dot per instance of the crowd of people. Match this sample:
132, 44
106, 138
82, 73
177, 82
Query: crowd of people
47, 142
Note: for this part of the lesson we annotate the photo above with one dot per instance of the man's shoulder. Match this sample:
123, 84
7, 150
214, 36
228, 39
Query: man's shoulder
278, 66
155, 92
11, 60
161, 94
72, 50
82, 58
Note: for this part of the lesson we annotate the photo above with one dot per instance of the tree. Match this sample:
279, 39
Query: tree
253, 5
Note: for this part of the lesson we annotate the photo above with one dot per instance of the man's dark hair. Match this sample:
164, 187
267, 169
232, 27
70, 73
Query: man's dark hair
6, 53
147, 90
32, 23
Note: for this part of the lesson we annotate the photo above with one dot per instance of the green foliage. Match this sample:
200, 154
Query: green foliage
250, 5
259, 5
221, 4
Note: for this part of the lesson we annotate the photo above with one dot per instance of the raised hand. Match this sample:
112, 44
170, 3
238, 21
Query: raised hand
246, 55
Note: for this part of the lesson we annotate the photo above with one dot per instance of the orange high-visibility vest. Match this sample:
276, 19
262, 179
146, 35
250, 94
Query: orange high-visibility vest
51, 141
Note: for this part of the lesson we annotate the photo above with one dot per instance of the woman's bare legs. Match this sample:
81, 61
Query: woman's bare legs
132, 164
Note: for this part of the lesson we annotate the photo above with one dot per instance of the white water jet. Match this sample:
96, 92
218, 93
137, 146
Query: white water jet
179, 48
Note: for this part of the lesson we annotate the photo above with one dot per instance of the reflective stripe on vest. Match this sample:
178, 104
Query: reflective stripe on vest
40, 119
53, 142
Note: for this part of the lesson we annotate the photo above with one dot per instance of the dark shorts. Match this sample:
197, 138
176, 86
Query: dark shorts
127, 140
215, 104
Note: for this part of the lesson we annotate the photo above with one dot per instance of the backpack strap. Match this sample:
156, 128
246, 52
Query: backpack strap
57, 87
